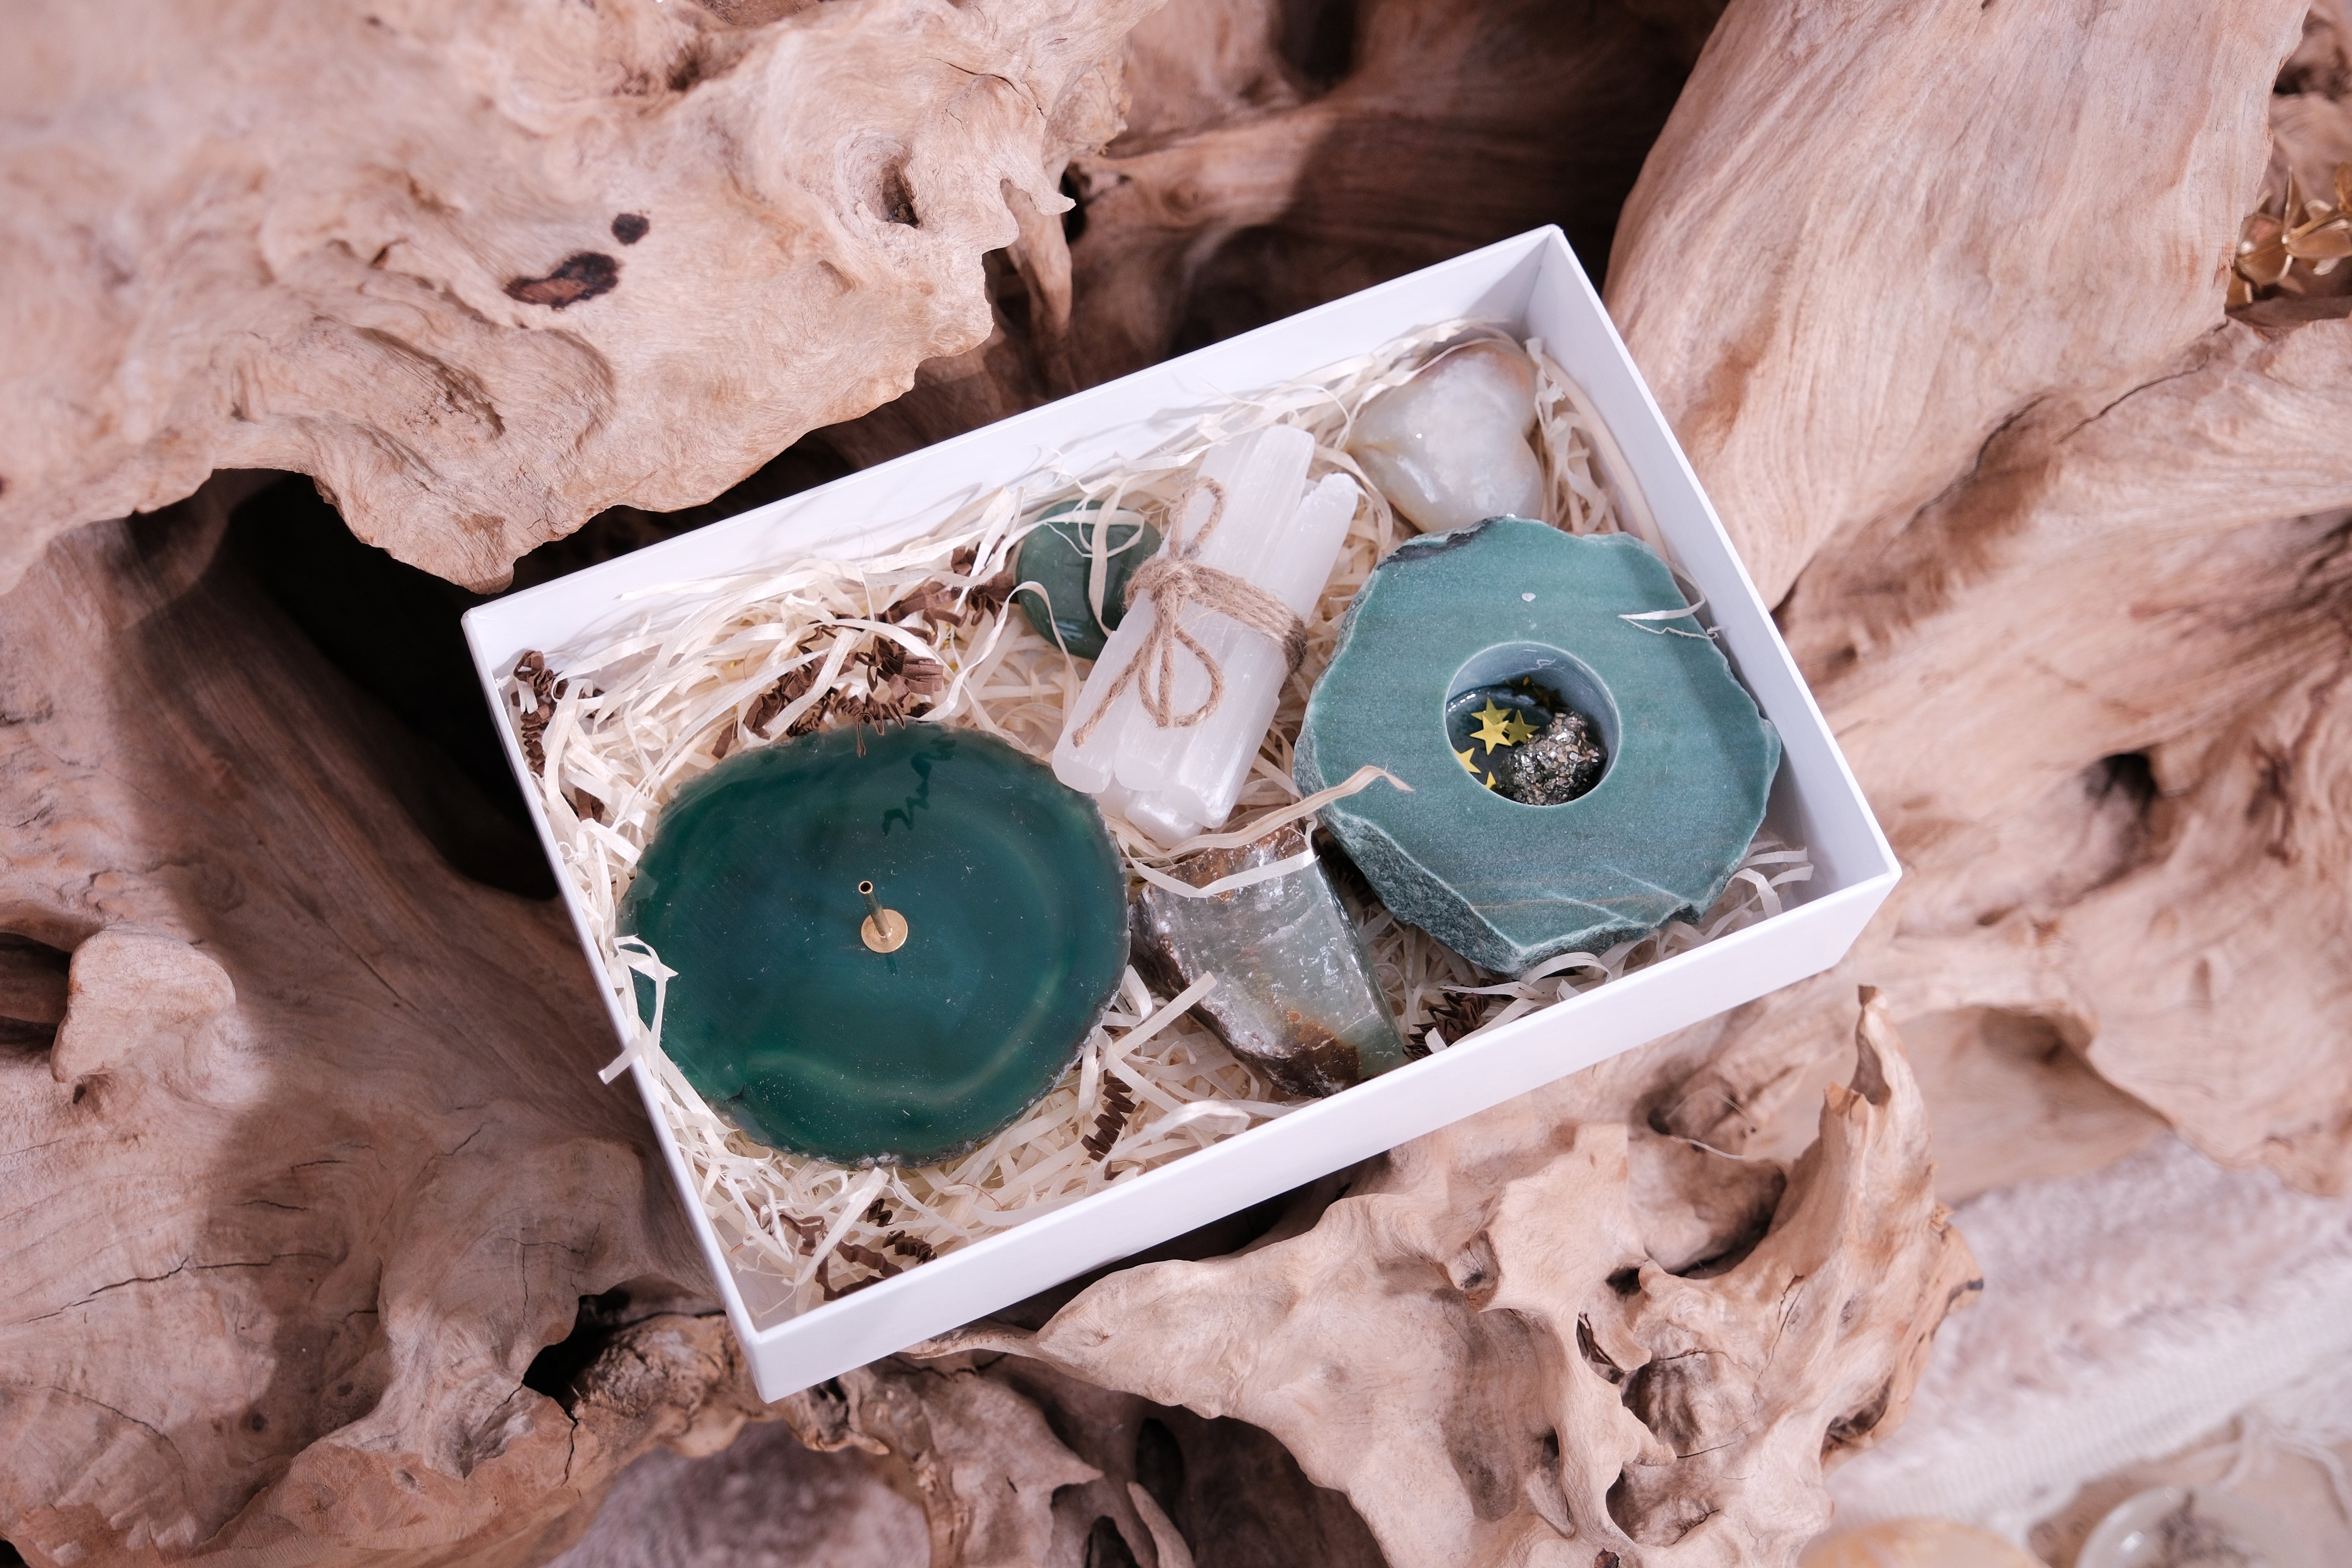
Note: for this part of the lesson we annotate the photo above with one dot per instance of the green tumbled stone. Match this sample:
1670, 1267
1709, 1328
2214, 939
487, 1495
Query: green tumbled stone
1058, 556
781, 1016
1689, 760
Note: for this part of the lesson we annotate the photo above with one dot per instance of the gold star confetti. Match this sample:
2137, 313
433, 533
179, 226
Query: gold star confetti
1463, 756
1520, 731
1493, 727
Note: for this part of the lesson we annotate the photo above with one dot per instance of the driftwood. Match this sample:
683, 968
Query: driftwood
300, 1090
322, 1239
2059, 547
565, 258
304, 1098
1660, 1379
1258, 171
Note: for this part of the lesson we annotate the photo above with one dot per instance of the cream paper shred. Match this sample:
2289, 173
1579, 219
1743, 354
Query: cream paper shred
623, 724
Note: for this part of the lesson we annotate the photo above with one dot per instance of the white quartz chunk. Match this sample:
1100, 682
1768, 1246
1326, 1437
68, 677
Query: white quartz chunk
1450, 447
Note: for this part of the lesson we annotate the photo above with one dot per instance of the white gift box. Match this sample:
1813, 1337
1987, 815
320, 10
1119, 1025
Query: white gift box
1532, 282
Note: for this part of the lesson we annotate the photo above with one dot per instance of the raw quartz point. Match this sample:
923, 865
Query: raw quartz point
1174, 782
1450, 447
1294, 996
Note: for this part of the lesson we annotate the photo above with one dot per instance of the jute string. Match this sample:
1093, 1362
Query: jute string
1174, 581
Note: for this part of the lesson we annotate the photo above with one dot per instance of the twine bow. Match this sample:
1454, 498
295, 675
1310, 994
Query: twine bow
1174, 581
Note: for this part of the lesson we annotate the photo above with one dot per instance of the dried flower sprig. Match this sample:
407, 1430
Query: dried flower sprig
2305, 230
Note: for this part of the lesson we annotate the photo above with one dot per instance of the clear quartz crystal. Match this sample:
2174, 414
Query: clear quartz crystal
1173, 782
1295, 995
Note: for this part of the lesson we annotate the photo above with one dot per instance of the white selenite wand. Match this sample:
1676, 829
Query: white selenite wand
1169, 721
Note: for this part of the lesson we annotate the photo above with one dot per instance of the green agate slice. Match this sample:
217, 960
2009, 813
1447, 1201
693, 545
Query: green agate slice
1510, 604
782, 1017
1059, 556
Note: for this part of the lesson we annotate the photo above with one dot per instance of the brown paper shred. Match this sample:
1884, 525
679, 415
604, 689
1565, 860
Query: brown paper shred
937, 608
867, 1257
829, 1291
1118, 1105
789, 689
807, 1232
987, 599
911, 674
1454, 1014
533, 679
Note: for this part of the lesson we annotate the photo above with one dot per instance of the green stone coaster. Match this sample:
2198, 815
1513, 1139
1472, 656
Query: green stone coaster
1059, 556
1690, 760
782, 1017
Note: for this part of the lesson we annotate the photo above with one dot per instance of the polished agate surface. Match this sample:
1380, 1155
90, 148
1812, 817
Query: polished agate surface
786, 1020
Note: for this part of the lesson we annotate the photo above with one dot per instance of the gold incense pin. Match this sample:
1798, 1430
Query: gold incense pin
884, 930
